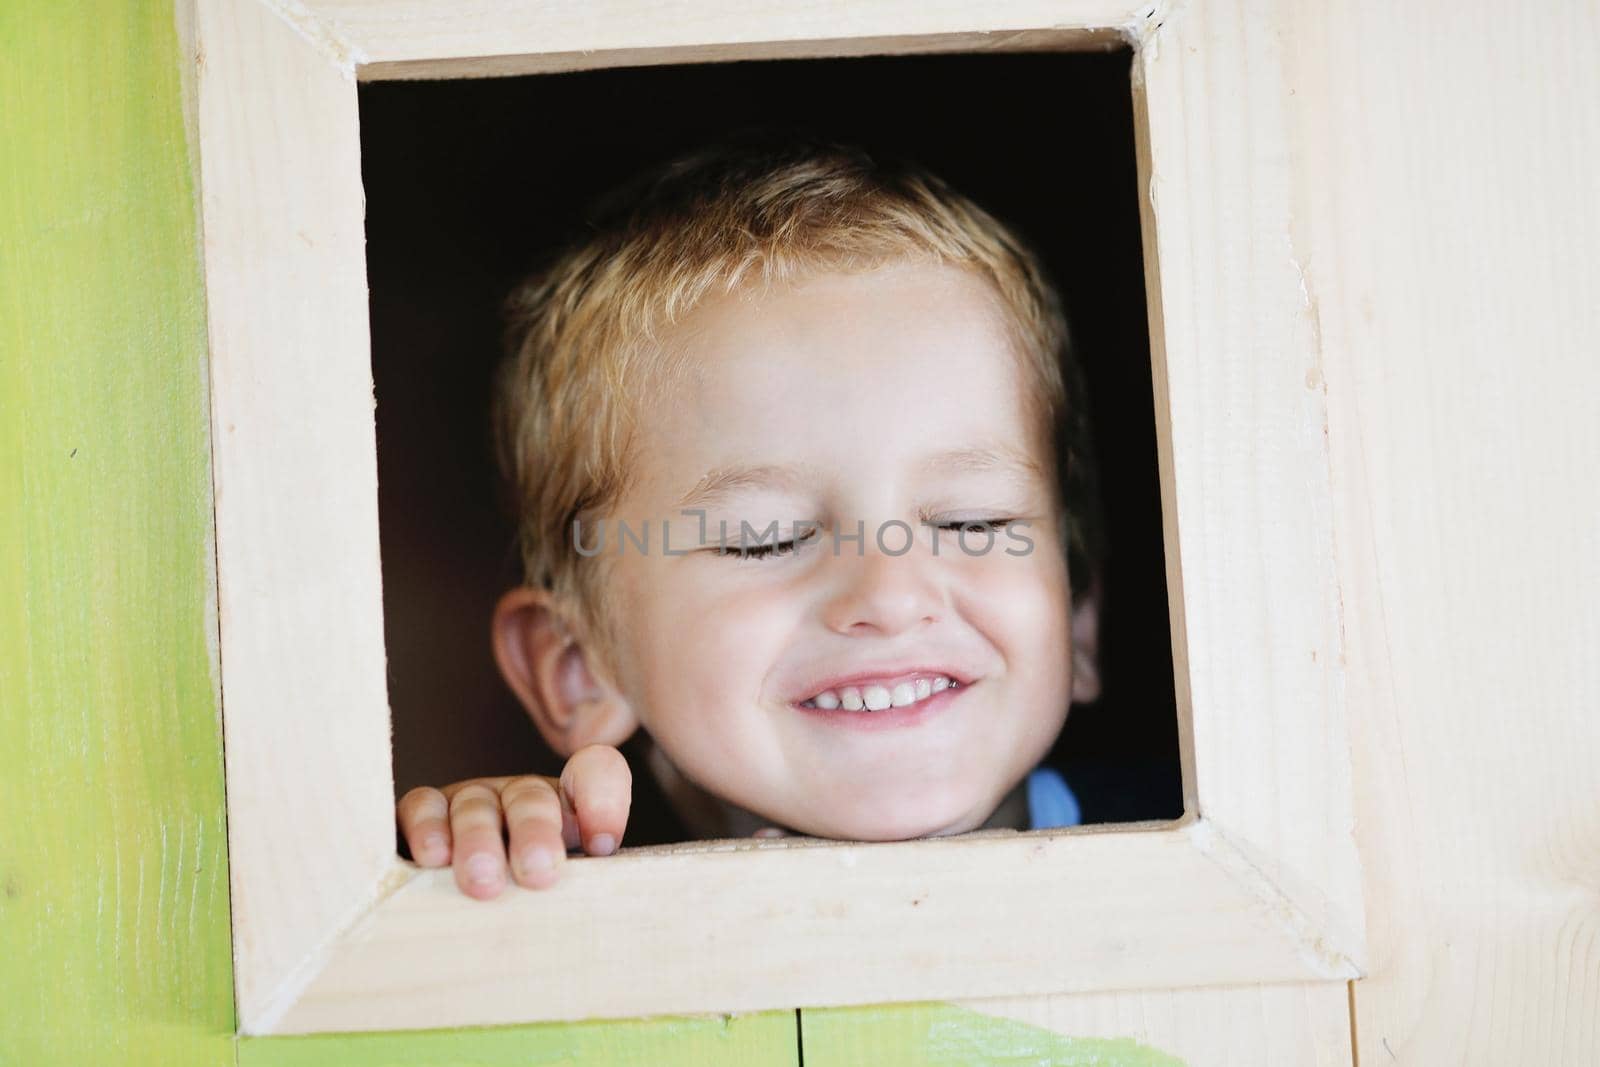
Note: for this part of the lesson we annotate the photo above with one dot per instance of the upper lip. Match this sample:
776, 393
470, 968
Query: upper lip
887, 673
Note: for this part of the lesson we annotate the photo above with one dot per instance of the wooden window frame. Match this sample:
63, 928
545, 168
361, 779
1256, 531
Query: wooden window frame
1258, 882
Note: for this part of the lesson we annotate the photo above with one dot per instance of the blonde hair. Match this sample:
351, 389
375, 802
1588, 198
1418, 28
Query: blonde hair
582, 337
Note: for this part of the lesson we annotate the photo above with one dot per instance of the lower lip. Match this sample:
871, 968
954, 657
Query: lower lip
888, 718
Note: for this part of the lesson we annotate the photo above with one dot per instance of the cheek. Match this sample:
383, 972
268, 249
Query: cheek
1023, 604
703, 644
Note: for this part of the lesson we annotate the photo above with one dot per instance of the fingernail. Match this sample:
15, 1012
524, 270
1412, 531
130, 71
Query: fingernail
602, 845
433, 842
537, 861
482, 870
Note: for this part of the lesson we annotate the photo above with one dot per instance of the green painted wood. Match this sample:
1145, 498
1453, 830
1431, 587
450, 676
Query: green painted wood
947, 1035
113, 880
763, 1039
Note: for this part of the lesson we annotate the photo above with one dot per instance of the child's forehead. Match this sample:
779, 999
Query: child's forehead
906, 291
908, 368
895, 331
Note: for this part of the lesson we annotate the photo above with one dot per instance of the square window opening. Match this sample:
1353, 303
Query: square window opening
469, 182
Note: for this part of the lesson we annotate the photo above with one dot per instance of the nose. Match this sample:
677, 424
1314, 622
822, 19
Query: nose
876, 592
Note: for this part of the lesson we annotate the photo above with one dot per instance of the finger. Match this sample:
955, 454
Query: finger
533, 820
424, 816
480, 857
599, 786
453, 788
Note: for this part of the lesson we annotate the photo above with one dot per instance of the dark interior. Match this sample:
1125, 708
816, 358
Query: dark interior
467, 182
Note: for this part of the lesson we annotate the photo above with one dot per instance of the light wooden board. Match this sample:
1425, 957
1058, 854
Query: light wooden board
1242, 425
310, 794
431, 39
798, 924
113, 883
1451, 255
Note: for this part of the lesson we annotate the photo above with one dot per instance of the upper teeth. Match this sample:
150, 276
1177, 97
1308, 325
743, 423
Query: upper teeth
878, 697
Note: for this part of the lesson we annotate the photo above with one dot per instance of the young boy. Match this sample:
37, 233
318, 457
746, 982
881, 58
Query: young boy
782, 430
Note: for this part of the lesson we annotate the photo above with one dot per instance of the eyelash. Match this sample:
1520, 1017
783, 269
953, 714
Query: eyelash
783, 548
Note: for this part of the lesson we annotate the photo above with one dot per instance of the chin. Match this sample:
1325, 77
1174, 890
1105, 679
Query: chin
890, 826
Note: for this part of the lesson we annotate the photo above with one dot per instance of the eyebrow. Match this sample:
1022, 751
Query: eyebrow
720, 483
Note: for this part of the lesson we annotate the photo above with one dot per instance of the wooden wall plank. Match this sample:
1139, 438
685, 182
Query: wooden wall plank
1450, 247
113, 880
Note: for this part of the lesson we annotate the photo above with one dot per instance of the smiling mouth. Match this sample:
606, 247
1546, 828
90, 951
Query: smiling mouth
873, 698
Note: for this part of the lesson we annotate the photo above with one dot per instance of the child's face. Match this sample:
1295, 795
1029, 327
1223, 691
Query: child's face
856, 383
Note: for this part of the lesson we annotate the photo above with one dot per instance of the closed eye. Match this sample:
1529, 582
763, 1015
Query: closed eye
755, 551
780, 548
763, 551
976, 525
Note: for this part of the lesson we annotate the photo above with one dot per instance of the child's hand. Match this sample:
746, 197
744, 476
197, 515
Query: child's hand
542, 816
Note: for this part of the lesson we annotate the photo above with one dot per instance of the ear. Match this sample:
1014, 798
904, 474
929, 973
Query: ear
549, 668
1086, 644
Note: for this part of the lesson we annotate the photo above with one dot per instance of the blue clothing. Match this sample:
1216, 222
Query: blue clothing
1050, 800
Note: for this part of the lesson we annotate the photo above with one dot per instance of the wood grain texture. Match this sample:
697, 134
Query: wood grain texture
310, 793
113, 882
1242, 423
1450, 247
805, 922
766, 1039
448, 38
